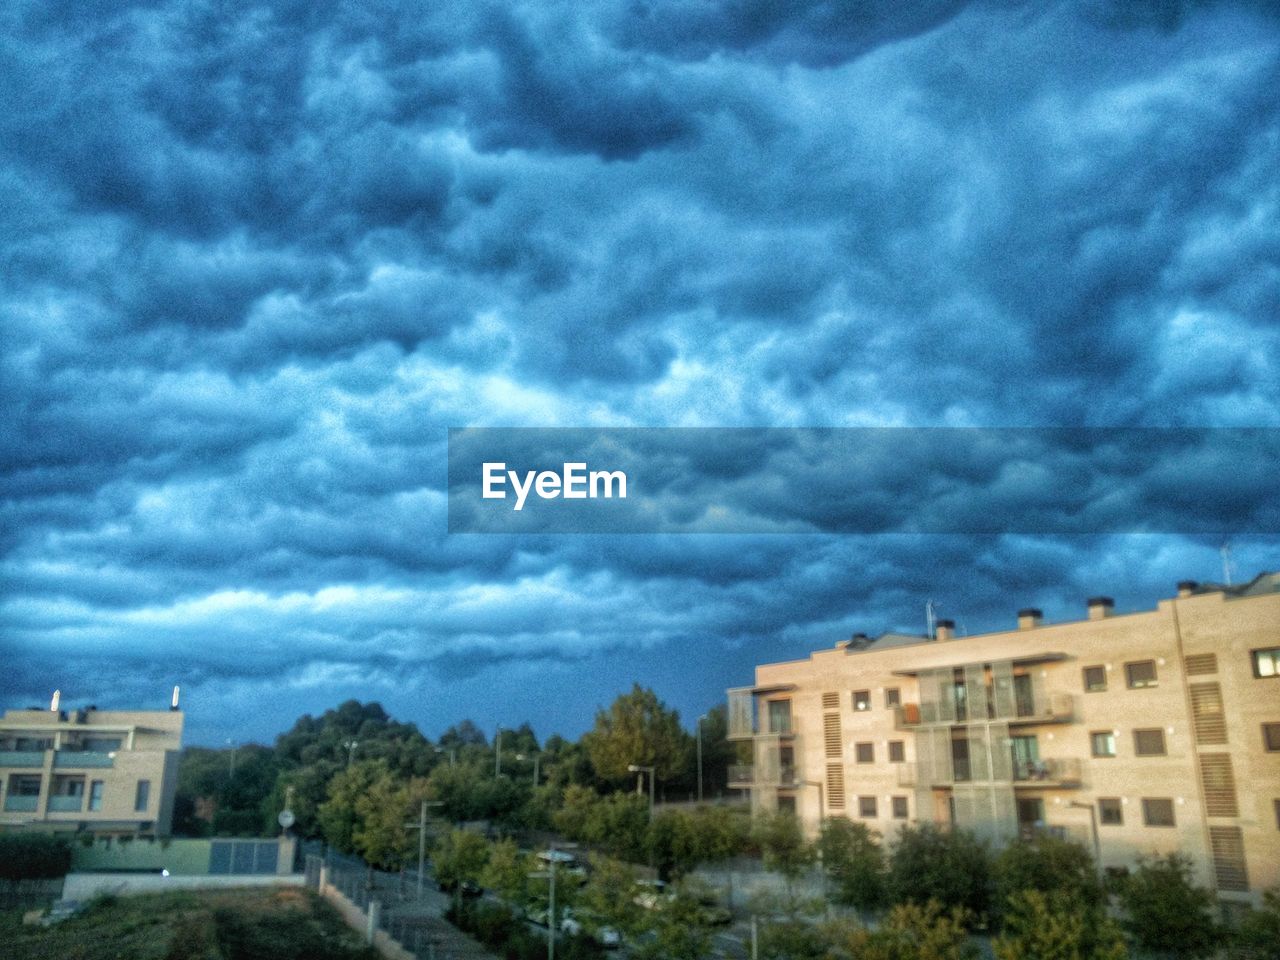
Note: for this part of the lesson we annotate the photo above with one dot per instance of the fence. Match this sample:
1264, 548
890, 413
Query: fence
26, 894
403, 918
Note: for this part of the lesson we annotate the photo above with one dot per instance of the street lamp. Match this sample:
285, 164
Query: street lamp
550, 874
637, 768
1093, 826
700, 719
421, 827
536, 757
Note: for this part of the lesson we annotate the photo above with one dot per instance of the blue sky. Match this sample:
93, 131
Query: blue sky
258, 259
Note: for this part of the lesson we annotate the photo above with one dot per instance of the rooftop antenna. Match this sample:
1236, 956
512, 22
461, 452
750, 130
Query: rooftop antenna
57, 699
930, 619
1225, 550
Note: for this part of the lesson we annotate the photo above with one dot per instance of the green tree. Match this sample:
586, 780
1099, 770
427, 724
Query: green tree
951, 867
1164, 911
33, 856
1048, 865
1258, 936
339, 816
637, 729
782, 844
610, 894
680, 930
915, 931
1057, 926
381, 835
459, 856
507, 872
683, 839
853, 862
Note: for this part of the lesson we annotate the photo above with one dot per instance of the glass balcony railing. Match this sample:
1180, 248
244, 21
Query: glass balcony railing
79, 759
22, 758
21, 804
66, 804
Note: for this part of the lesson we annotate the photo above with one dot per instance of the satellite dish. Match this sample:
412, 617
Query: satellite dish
286, 819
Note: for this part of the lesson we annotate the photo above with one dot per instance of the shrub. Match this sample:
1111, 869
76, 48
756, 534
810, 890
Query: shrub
1043, 926
1164, 912
950, 867
1048, 865
33, 856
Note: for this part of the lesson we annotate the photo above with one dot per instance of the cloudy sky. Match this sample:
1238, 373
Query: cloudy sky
256, 260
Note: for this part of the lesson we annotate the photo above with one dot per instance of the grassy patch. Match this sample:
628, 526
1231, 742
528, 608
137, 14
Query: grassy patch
284, 923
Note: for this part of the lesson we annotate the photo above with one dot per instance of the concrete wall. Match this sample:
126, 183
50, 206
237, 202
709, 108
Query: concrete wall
180, 857
85, 886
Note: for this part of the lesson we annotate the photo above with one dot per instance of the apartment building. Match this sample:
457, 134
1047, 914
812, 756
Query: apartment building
102, 771
1142, 733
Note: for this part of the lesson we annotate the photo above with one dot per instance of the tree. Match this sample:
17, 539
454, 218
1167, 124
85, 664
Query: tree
338, 816
680, 930
507, 872
381, 835
682, 839
950, 867
783, 846
1039, 925
914, 931
459, 856
610, 894
853, 862
33, 856
1258, 937
637, 729
1164, 911
1048, 865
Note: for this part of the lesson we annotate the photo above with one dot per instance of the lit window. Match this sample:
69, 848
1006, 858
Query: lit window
1266, 663
1140, 674
1148, 743
1095, 679
862, 699
1157, 812
1104, 743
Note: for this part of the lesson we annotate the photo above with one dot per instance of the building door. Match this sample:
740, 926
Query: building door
960, 758
1023, 696
1030, 816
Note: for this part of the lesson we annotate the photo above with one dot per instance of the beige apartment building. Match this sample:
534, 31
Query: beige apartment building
103, 771
1142, 733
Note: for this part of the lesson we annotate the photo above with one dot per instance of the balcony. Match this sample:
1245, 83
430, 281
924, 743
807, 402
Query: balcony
744, 776
1029, 706
21, 804
22, 758
1080, 835
82, 760
1044, 708
1047, 773
66, 804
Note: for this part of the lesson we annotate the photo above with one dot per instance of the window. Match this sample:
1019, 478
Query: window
862, 700
892, 698
897, 752
1141, 673
1148, 743
1277, 806
1104, 743
899, 808
779, 716
1095, 679
1266, 663
865, 752
866, 807
1271, 736
95, 795
1157, 811
24, 786
1110, 812
787, 804
142, 797
101, 744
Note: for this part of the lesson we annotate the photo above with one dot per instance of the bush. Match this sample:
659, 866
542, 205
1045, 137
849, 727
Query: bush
1258, 936
33, 856
1048, 865
853, 862
1164, 912
950, 867
1043, 926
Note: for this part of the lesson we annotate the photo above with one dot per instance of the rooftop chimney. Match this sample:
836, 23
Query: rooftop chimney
1187, 587
1029, 618
57, 699
1100, 607
174, 703
944, 630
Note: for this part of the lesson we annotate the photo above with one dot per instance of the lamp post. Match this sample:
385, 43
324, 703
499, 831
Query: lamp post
421, 827
535, 758
550, 875
700, 719
637, 768
497, 753
1093, 827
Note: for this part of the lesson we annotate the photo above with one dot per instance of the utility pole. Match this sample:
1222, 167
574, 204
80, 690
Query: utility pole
700, 719
550, 875
497, 753
421, 827
636, 768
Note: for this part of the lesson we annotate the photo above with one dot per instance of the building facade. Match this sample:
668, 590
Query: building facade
102, 771
1143, 733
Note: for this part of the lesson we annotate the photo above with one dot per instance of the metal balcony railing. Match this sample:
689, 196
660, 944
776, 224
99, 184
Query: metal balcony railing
1055, 772
743, 775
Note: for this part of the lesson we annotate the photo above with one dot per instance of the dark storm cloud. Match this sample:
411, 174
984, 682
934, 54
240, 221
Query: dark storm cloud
256, 260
